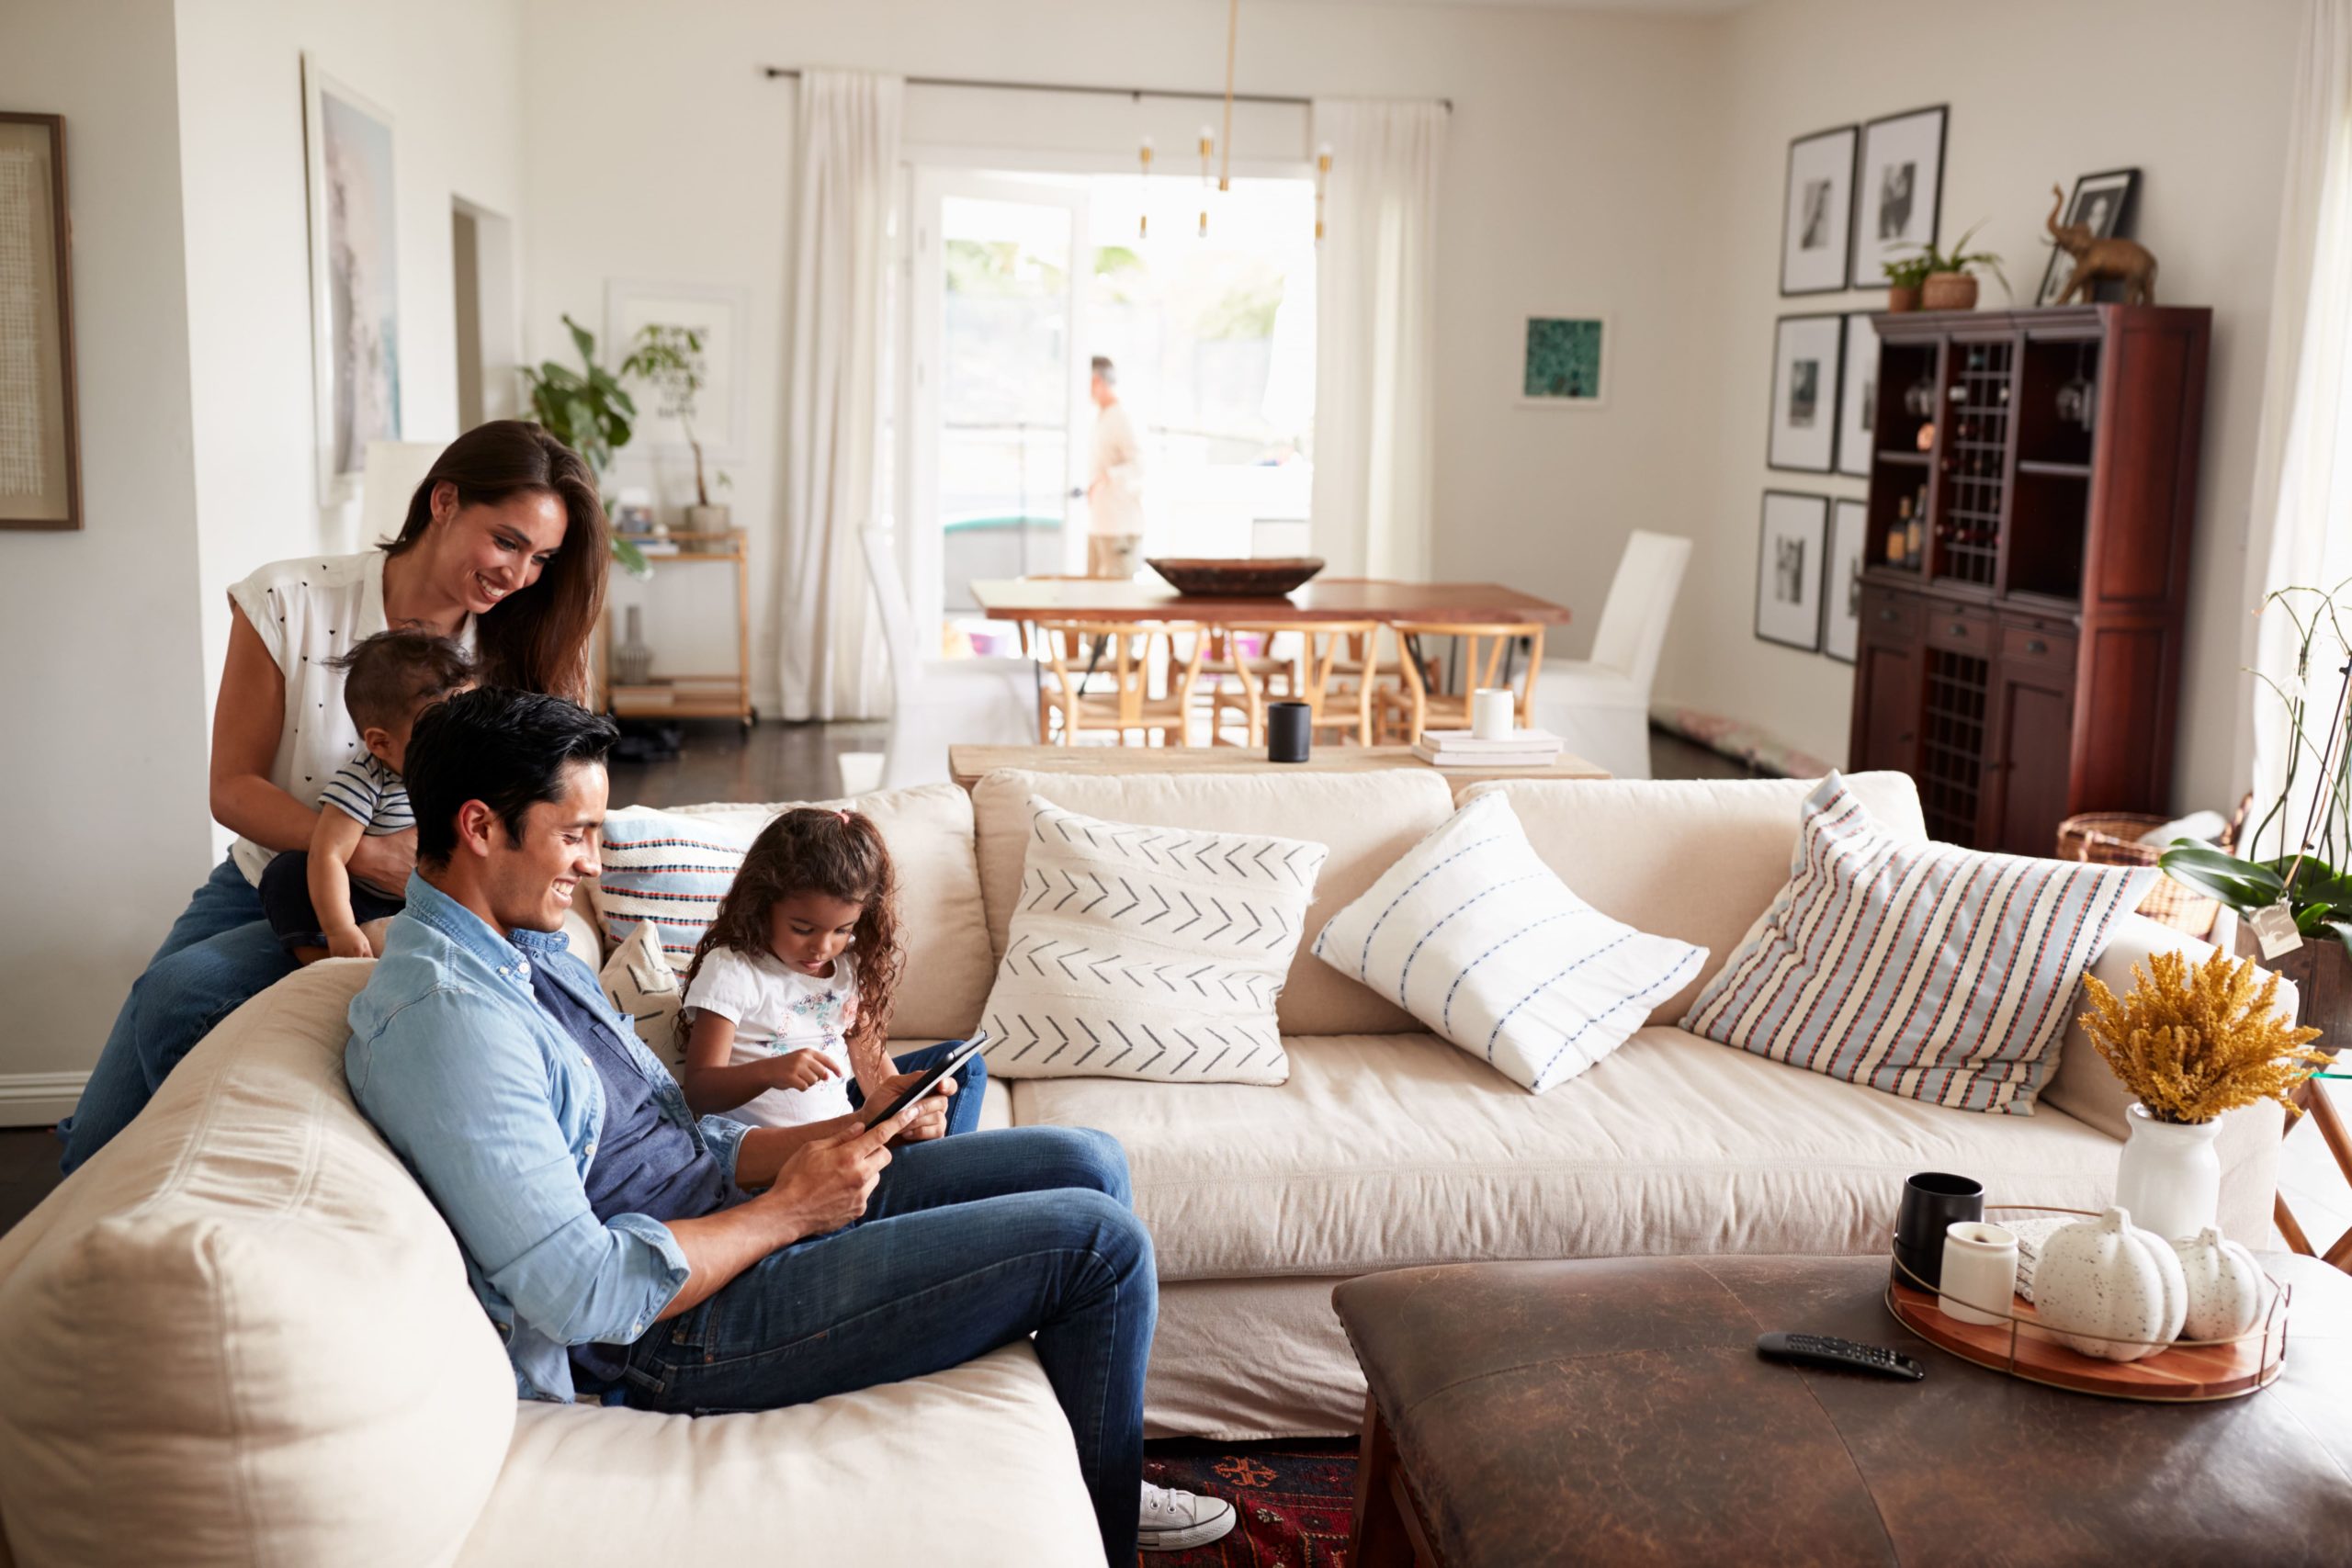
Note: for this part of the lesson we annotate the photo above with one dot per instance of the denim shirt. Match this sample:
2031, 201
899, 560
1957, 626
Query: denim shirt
496, 1110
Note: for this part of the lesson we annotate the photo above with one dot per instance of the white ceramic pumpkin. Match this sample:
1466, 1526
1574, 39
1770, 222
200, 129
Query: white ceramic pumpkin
2110, 1289
2225, 1287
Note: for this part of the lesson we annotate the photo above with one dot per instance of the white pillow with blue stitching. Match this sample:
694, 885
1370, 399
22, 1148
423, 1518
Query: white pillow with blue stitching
1475, 936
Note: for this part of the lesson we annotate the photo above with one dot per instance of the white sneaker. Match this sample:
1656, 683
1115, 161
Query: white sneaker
1170, 1520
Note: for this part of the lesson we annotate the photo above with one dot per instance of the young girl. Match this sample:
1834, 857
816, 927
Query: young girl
787, 1001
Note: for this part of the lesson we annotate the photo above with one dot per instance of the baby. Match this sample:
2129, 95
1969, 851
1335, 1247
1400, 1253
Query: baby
313, 903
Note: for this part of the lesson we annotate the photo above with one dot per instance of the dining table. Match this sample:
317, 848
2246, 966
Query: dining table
1323, 599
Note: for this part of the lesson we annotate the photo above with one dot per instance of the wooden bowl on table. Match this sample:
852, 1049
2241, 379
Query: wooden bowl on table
1212, 578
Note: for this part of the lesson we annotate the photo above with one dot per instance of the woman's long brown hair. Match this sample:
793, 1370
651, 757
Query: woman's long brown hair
537, 638
840, 854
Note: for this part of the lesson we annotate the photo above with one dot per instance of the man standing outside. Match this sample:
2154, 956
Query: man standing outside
1114, 493
618, 1243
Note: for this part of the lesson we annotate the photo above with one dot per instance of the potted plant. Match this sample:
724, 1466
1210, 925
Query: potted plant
669, 359
2191, 1043
1903, 281
589, 411
1941, 278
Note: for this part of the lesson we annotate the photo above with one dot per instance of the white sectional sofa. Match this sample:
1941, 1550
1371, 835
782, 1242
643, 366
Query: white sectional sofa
241, 1333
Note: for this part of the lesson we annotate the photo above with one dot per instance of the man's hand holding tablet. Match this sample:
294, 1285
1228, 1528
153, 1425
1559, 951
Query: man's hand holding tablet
926, 1092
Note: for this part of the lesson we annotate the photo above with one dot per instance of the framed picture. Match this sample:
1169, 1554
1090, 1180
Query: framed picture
720, 313
354, 279
1899, 191
1788, 569
1805, 394
2103, 204
40, 449
1858, 395
1817, 210
1566, 363
1841, 585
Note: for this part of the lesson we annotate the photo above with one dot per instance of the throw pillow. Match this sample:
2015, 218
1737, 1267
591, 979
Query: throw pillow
669, 870
638, 980
1475, 936
1148, 952
1923, 969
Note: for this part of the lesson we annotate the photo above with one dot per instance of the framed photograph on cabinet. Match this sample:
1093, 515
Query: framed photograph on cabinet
1899, 191
1817, 211
354, 279
1858, 395
2102, 203
1841, 588
1788, 569
40, 451
1804, 432
1566, 361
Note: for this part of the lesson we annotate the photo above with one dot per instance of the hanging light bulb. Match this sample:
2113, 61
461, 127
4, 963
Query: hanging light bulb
1322, 178
1143, 218
1208, 147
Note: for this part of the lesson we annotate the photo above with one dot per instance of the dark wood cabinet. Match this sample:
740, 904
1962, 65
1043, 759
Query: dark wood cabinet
2032, 488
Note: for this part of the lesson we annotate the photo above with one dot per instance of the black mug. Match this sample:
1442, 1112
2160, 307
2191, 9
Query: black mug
1287, 731
1933, 1201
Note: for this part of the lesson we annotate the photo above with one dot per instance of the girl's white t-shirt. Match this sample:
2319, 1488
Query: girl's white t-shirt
306, 611
776, 1009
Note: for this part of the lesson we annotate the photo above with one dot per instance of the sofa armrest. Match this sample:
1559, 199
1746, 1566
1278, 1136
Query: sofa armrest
2085, 1088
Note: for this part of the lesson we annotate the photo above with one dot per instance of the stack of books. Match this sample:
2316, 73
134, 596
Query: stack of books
1534, 750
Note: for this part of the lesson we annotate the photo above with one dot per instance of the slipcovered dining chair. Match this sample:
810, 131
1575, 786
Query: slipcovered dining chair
937, 703
1600, 708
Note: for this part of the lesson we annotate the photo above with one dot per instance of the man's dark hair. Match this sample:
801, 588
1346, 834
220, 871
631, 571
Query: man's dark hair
507, 748
386, 675
1104, 367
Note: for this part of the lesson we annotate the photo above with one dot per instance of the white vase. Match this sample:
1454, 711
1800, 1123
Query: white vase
2169, 1177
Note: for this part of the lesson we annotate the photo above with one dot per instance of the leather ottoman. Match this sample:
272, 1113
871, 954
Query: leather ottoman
1615, 1411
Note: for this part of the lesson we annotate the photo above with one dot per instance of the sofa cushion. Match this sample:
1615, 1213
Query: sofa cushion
680, 861
242, 1320
812, 1482
1365, 820
1695, 860
1387, 1151
1486, 945
638, 981
1148, 952
1916, 968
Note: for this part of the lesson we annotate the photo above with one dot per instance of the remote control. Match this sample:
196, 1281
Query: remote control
1815, 1350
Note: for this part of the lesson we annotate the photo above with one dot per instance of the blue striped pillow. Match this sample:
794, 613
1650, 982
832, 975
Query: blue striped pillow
1921, 969
670, 868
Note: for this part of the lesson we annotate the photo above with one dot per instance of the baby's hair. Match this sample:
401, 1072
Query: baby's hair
390, 675
840, 854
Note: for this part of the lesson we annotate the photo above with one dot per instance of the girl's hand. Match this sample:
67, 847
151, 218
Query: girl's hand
799, 1069
927, 1118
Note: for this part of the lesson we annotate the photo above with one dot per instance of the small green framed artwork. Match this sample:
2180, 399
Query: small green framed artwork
1566, 362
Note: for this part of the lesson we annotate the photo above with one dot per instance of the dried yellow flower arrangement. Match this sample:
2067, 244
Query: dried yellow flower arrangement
2193, 1041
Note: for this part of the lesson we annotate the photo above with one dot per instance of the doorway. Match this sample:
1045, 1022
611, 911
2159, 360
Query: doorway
482, 313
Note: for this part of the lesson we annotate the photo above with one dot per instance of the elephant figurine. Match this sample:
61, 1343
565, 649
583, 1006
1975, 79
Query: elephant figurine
2097, 260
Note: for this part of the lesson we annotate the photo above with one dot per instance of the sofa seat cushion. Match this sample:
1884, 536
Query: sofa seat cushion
818, 1482
1385, 1151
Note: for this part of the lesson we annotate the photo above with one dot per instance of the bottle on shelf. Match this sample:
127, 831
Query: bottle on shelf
1913, 537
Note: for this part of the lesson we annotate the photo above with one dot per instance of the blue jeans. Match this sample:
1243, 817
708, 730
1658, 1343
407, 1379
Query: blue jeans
219, 953
968, 1244
971, 1085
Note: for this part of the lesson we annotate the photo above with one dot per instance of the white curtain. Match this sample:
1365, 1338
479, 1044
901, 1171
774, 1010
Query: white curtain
831, 662
2303, 458
1375, 358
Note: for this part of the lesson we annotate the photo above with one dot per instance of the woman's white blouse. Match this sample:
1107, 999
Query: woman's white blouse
306, 611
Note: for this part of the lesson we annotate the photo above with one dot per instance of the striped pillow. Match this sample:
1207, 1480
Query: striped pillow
1921, 969
670, 868
1471, 934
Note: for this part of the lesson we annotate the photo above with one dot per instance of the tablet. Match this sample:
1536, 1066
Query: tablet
962, 1053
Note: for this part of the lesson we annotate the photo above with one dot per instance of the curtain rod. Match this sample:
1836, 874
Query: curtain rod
1137, 94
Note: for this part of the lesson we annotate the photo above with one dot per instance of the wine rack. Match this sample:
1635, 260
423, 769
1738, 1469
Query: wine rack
1975, 476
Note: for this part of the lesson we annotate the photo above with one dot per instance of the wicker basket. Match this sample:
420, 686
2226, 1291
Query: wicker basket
2112, 838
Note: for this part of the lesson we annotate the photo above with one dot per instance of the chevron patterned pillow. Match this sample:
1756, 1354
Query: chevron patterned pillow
1148, 952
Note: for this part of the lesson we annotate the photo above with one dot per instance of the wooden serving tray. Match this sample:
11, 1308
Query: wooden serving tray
2023, 1350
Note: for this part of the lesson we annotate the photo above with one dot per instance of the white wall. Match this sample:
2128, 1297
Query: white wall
1577, 143
2193, 95
102, 717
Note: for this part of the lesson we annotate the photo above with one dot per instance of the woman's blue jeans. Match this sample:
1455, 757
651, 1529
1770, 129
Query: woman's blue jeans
221, 953
966, 1243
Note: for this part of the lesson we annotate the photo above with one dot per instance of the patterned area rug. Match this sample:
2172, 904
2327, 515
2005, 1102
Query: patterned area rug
1296, 1498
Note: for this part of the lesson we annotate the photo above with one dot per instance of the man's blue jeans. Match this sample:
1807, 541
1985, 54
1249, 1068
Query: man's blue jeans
971, 1085
968, 1244
219, 953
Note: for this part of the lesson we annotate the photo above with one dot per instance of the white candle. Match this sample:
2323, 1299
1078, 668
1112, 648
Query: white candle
1492, 713
1980, 1272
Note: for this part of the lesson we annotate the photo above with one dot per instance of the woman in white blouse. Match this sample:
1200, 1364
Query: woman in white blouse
505, 550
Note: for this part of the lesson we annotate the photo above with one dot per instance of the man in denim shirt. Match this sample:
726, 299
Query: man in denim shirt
625, 1249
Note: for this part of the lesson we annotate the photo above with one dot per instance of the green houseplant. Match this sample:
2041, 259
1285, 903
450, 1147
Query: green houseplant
1904, 278
589, 411
669, 359
1948, 285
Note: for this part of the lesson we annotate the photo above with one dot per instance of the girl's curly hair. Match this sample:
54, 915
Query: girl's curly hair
840, 854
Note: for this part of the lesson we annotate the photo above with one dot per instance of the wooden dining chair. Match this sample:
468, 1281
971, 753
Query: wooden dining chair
1242, 670
1336, 674
1098, 676
1485, 654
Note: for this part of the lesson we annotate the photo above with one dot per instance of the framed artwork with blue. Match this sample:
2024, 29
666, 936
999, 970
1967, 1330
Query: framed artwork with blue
1564, 362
